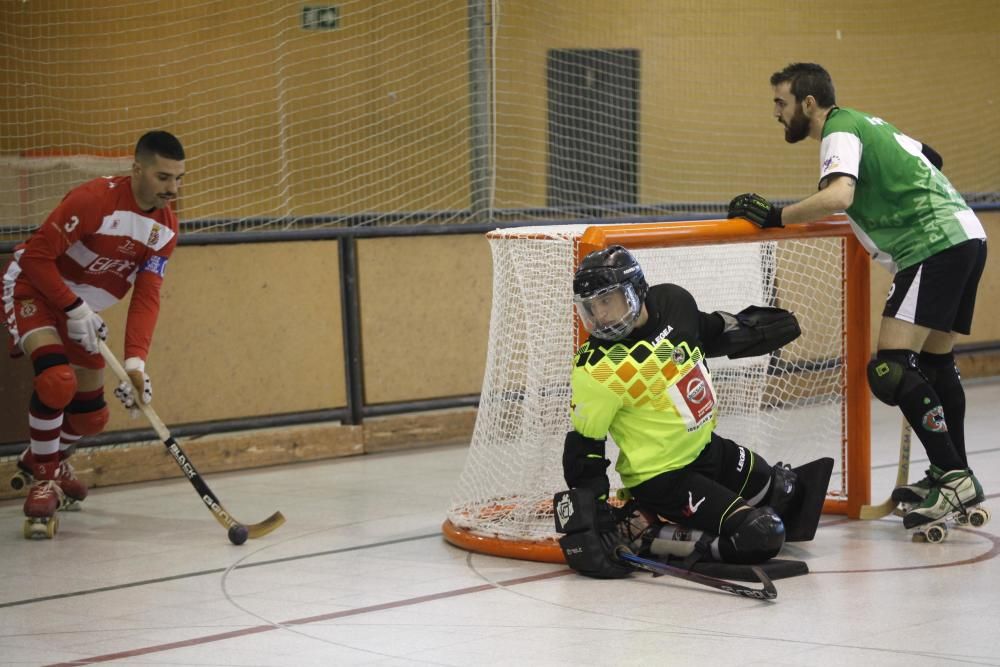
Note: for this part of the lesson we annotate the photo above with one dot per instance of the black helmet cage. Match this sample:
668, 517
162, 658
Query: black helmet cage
604, 271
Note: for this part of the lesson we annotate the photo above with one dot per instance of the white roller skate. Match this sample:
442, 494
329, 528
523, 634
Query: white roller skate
954, 498
73, 490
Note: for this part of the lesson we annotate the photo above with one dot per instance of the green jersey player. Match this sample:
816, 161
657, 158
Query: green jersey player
912, 221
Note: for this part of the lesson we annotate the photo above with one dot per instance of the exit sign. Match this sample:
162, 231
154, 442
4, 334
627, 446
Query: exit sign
326, 17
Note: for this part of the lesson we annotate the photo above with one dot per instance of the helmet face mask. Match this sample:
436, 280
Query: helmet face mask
608, 291
610, 313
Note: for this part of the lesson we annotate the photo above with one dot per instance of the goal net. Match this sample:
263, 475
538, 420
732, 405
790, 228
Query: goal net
386, 112
805, 401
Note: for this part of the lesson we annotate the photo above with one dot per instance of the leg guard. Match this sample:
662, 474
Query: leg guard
87, 414
55, 381
802, 517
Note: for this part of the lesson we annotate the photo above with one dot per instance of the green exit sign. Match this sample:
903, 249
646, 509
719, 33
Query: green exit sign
326, 17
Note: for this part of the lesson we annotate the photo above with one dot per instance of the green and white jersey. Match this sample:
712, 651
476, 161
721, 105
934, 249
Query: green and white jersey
904, 209
652, 391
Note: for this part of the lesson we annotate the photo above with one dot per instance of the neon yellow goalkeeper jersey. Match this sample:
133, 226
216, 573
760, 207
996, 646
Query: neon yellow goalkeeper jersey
652, 391
904, 209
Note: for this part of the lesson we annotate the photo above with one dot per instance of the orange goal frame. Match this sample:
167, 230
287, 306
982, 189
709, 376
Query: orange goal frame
856, 409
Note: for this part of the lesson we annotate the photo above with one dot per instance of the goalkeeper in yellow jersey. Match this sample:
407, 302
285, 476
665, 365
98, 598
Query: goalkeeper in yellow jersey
642, 377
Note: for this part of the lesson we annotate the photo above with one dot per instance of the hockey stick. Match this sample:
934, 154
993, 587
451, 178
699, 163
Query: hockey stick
902, 474
210, 499
767, 592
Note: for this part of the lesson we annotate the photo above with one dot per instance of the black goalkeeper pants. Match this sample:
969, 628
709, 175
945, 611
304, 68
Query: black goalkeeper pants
706, 492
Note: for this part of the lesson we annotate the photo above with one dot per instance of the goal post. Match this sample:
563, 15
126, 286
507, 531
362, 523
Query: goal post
807, 400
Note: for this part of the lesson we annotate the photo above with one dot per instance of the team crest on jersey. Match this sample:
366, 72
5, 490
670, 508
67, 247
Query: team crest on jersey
678, 355
28, 308
154, 236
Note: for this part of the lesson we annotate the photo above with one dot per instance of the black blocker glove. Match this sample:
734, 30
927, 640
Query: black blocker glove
756, 209
591, 540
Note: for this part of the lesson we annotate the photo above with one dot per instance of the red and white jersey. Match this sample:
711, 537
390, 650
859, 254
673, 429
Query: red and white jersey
96, 245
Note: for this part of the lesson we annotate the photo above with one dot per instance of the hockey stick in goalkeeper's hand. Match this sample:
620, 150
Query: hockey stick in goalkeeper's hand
767, 592
210, 499
902, 474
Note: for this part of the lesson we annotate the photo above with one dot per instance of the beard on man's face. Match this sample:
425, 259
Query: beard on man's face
797, 128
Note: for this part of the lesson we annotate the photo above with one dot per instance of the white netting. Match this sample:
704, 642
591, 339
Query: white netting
399, 112
787, 406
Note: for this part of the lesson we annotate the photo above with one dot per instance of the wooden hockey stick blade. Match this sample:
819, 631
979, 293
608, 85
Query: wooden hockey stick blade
766, 592
182, 460
902, 474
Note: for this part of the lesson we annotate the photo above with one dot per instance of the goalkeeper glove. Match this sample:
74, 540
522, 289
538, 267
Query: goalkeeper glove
756, 209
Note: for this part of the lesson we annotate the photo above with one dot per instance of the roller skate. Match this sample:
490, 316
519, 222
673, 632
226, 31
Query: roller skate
73, 490
953, 498
44, 498
913, 494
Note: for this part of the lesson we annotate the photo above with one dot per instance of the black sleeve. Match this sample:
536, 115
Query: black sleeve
710, 330
584, 464
932, 155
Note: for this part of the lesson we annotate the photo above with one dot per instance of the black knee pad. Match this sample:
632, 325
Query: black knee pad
892, 373
758, 538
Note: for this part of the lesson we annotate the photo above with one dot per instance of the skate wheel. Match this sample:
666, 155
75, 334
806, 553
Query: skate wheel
36, 528
936, 534
978, 517
963, 520
19, 480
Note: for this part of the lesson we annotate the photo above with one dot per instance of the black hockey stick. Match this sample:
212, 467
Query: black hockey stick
768, 592
902, 474
210, 499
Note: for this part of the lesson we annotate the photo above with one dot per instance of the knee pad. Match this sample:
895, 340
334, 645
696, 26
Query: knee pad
91, 422
55, 385
892, 373
758, 538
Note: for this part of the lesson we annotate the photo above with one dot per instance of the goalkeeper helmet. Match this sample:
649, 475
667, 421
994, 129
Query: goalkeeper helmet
608, 291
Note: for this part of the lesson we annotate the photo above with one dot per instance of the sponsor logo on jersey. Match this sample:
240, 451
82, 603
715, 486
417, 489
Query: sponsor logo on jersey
697, 391
121, 267
663, 334
743, 459
692, 506
28, 308
934, 420
892, 290
155, 264
831, 162
129, 247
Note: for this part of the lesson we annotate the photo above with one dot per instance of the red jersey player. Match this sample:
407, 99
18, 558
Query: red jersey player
104, 238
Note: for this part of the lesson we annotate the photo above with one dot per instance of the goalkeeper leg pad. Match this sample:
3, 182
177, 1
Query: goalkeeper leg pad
813, 480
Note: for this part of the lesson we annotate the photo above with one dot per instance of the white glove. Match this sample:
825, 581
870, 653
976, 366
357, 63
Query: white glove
126, 391
84, 327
